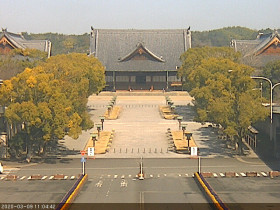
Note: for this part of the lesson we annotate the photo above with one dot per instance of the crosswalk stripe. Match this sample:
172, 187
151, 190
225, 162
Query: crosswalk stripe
51, 177
2, 178
151, 176
72, 177
222, 175
44, 177
29, 178
264, 174
65, 177
109, 176
129, 175
258, 175
122, 176
215, 175
236, 174
186, 175
179, 175
242, 174
165, 175
115, 176
158, 175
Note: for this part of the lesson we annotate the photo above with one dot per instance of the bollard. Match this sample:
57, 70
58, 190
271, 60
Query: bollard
132, 150
138, 150
161, 150
150, 150
155, 150
120, 150
114, 150
144, 150
166, 150
125, 150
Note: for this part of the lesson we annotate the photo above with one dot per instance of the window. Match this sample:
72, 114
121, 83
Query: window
109, 78
148, 78
132, 78
122, 78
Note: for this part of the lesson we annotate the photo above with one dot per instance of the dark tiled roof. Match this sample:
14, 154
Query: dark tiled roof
110, 46
252, 47
20, 42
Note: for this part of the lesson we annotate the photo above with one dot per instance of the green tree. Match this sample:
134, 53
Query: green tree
194, 57
226, 97
50, 99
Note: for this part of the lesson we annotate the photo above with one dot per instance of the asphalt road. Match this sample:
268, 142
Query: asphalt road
113, 180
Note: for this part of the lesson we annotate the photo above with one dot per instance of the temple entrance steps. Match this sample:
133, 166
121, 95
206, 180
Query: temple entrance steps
143, 93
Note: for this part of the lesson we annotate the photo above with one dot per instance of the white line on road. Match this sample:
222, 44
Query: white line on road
115, 176
222, 175
122, 176
29, 178
179, 175
129, 175
215, 175
51, 177
151, 176
236, 174
44, 177
72, 177
242, 174
65, 177
2, 178
264, 174
186, 175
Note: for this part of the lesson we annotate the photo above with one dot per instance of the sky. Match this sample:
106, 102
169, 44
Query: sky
77, 16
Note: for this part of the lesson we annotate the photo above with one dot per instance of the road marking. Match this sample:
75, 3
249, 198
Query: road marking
109, 176
264, 174
222, 175
236, 174
99, 184
151, 176
215, 175
165, 175
123, 183
51, 177
129, 175
242, 174
258, 175
72, 177
115, 176
186, 175
158, 175
179, 175
29, 178
122, 176
44, 177
65, 177
2, 178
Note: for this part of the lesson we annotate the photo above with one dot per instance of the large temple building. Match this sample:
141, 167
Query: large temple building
10, 41
140, 59
258, 52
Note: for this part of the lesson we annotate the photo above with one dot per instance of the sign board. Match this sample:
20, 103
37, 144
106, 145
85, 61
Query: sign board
194, 151
90, 151
83, 152
83, 160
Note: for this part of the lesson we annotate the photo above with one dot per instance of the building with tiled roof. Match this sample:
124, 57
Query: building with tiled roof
10, 41
140, 59
258, 52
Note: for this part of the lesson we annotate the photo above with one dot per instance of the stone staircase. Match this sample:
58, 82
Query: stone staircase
144, 93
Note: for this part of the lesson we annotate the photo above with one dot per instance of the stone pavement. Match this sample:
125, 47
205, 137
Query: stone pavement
140, 131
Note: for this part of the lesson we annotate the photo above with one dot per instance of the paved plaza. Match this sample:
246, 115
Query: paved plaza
140, 131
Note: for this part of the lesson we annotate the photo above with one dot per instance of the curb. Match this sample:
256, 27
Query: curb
211, 195
72, 193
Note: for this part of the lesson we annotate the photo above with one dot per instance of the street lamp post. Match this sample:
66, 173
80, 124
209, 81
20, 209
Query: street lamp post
189, 135
271, 101
98, 127
102, 118
94, 138
180, 118
184, 126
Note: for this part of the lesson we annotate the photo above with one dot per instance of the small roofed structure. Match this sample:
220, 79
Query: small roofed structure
10, 41
258, 52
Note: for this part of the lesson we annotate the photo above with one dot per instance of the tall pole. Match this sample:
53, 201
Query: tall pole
271, 111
